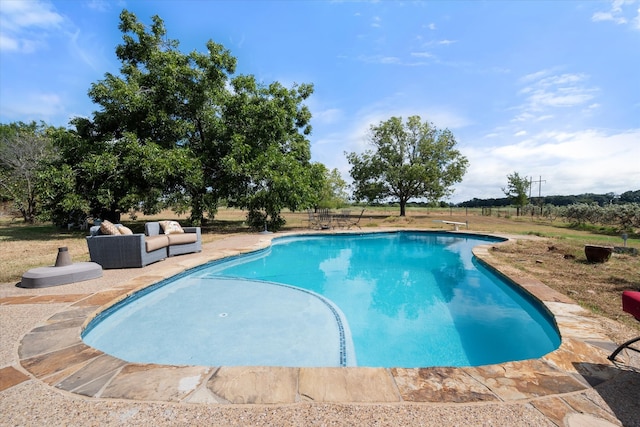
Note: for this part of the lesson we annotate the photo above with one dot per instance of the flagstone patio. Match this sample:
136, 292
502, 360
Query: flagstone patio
572, 384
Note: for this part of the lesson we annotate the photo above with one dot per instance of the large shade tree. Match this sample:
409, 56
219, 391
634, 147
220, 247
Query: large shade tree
411, 159
171, 102
267, 167
103, 178
174, 129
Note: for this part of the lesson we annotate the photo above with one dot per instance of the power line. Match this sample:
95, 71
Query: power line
539, 182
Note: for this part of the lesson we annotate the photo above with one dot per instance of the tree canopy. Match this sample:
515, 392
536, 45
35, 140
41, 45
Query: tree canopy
178, 130
411, 159
267, 166
516, 190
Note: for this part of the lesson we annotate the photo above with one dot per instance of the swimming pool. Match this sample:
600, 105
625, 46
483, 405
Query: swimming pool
402, 299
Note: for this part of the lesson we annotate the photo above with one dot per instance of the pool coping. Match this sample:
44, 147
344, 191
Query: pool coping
55, 354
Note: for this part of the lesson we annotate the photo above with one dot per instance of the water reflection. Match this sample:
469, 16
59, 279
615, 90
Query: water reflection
411, 299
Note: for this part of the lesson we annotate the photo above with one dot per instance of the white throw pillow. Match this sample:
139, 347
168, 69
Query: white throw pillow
171, 227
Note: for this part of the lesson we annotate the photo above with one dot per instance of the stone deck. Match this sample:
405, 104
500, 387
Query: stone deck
561, 387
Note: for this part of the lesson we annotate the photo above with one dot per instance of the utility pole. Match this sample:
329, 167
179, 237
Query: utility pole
539, 182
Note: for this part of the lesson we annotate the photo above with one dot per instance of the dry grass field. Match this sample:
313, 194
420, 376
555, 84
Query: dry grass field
556, 258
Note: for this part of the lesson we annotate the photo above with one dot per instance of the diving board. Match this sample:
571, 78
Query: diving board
455, 224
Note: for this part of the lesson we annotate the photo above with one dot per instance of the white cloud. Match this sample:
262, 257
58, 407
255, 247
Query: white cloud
8, 44
16, 15
329, 116
390, 60
38, 106
444, 42
422, 54
561, 97
620, 12
99, 5
545, 92
26, 25
588, 161
85, 54
535, 76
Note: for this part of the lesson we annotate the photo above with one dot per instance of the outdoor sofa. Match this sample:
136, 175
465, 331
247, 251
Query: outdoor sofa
115, 246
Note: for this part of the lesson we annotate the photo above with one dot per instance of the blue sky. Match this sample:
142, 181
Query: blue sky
547, 89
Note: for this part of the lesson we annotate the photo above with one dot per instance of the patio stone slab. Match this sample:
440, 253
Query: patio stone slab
584, 328
75, 322
155, 382
65, 372
193, 262
582, 404
50, 363
101, 298
239, 384
204, 395
577, 357
525, 379
141, 281
35, 343
587, 420
96, 368
440, 385
347, 385
553, 408
10, 376
73, 313
24, 299
543, 292
46, 299
93, 388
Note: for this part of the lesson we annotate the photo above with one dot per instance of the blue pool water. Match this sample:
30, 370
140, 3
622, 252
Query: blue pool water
405, 299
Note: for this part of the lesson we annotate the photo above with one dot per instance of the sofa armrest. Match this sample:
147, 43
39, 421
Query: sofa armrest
198, 232
152, 228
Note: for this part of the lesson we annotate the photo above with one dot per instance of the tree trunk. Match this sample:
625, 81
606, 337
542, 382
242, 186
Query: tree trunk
403, 207
197, 209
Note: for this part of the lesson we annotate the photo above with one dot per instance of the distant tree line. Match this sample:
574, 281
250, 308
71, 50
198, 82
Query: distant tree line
588, 198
